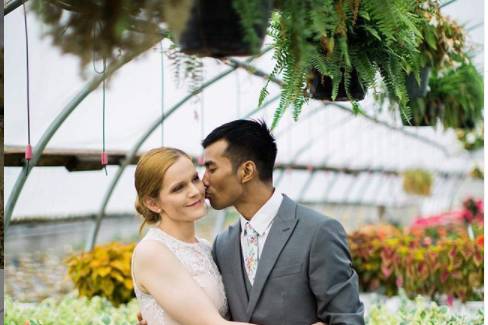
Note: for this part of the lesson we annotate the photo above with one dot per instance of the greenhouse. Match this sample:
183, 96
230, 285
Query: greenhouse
376, 110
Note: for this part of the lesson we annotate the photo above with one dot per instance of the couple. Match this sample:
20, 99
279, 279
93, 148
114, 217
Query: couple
280, 263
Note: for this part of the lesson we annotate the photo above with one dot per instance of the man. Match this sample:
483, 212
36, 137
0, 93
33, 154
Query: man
281, 263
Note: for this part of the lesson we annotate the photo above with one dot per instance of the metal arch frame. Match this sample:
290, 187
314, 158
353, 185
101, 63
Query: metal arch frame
56, 124
307, 145
308, 181
90, 87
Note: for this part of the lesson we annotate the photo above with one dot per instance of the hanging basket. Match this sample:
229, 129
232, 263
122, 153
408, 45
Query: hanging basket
417, 182
416, 89
214, 29
320, 87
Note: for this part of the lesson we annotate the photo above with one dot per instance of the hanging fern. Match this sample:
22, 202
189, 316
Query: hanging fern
186, 68
252, 15
338, 38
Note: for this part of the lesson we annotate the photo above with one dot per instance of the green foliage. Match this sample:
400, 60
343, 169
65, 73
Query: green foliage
335, 37
443, 39
186, 68
389, 261
442, 50
70, 309
472, 140
418, 312
456, 97
105, 271
252, 16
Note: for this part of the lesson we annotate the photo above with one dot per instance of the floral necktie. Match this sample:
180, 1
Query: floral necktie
251, 251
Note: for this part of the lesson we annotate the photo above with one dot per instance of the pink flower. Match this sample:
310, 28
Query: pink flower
399, 282
450, 300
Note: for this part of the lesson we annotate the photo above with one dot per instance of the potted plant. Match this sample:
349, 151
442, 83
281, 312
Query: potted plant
442, 45
341, 40
457, 94
472, 140
455, 99
96, 29
417, 182
220, 28
477, 173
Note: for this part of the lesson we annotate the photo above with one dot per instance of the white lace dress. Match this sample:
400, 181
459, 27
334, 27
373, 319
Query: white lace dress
197, 259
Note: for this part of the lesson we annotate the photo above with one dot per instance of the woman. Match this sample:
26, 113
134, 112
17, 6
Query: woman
175, 278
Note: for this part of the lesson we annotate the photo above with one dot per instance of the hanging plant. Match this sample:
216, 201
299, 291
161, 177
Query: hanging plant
455, 100
340, 39
221, 28
477, 173
417, 182
441, 48
102, 28
472, 140
456, 95
186, 68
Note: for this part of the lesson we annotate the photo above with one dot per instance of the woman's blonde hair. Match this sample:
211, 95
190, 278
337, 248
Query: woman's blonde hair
150, 171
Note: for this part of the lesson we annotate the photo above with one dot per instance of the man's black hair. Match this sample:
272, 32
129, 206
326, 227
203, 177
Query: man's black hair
247, 140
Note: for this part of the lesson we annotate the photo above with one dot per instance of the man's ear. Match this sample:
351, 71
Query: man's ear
247, 171
152, 204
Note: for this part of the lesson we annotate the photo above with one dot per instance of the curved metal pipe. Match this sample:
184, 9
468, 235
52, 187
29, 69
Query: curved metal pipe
54, 126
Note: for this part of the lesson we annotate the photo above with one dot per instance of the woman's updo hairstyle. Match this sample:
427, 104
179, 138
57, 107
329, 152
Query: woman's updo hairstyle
150, 171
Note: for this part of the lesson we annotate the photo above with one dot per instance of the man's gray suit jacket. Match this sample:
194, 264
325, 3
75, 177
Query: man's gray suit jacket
304, 273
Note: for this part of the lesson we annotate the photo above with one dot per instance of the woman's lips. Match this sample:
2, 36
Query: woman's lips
195, 204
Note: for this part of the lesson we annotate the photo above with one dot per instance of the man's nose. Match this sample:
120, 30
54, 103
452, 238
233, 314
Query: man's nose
205, 179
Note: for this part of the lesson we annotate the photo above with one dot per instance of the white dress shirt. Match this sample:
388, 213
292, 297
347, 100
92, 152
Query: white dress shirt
262, 221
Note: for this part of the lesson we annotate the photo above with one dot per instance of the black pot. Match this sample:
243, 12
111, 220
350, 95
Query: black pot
428, 118
320, 87
414, 89
214, 29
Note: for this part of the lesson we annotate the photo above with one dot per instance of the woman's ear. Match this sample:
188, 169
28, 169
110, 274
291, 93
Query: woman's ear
152, 204
247, 171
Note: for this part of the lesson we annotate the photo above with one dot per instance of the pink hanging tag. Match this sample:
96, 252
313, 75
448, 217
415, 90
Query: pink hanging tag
104, 159
201, 161
28, 152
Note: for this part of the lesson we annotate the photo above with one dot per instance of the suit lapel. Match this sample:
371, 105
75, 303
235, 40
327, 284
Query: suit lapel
236, 257
280, 231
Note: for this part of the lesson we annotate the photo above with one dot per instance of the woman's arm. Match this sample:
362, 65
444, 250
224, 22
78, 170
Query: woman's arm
159, 272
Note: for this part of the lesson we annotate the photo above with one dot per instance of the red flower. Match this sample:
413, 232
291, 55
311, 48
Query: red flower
480, 240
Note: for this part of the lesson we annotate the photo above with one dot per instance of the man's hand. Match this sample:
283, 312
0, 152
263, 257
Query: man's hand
141, 321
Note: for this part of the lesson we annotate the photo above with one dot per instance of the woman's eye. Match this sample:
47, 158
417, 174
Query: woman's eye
178, 188
196, 178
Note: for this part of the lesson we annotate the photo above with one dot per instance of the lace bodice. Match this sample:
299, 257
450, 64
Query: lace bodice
197, 259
